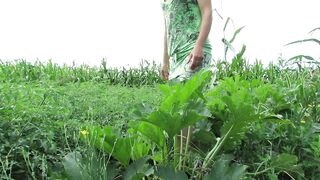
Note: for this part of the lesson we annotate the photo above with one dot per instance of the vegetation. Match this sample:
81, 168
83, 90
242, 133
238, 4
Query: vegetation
21, 71
247, 121
244, 121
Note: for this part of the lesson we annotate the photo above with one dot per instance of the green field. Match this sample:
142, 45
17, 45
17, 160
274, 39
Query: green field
249, 122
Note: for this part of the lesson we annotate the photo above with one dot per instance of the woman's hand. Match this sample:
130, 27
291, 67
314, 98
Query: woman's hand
196, 57
165, 72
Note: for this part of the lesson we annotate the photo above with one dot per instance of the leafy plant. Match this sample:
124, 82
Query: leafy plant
167, 173
223, 169
89, 167
182, 106
303, 59
111, 141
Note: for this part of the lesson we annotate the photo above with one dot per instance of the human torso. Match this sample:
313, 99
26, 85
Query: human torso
183, 21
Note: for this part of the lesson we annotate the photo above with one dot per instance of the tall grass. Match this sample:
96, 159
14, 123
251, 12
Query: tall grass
23, 71
39, 117
146, 74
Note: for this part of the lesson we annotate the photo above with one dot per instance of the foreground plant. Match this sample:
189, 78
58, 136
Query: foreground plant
238, 104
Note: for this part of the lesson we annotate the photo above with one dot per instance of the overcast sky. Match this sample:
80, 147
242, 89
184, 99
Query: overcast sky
126, 31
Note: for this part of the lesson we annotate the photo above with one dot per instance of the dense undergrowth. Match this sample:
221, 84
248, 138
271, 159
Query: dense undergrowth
247, 121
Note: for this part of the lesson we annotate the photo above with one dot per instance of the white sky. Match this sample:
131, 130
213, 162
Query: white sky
126, 31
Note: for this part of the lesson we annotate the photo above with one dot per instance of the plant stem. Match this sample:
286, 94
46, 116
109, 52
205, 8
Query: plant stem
187, 145
181, 150
163, 154
216, 149
210, 153
175, 150
260, 172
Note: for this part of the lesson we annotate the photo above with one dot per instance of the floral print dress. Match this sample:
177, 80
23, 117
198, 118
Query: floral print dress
183, 21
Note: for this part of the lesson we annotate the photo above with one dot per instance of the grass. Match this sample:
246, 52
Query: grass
43, 107
48, 111
40, 120
23, 71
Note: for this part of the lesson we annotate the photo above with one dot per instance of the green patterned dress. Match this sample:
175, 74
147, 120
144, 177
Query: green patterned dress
183, 21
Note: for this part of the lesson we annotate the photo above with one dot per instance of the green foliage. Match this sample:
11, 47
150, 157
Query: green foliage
183, 106
111, 141
315, 146
137, 170
266, 117
286, 162
237, 103
168, 173
40, 121
154, 133
228, 43
92, 167
71, 164
223, 169
23, 71
304, 59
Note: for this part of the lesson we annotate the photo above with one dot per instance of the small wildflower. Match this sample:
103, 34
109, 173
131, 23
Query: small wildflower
84, 132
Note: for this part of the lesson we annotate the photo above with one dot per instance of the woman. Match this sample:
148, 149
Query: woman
186, 45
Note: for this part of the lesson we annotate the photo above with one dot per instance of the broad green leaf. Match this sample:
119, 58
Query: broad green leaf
222, 169
204, 137
181, 108
241, 117
167, 122
235, 102
122, 149
172, 124
204, 140
141, 110
154, 133
158, 156
89, 167
286, 162
71, 163
167, 89
194, 86
109, 140
136, 170
168, 173
263, 92
140, 149
184, 92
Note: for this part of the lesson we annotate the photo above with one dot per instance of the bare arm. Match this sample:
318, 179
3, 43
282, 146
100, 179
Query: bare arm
197, 53
206, 13
165, 67
165, 50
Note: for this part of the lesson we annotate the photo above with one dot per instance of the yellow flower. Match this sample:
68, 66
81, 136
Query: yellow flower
84, 132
